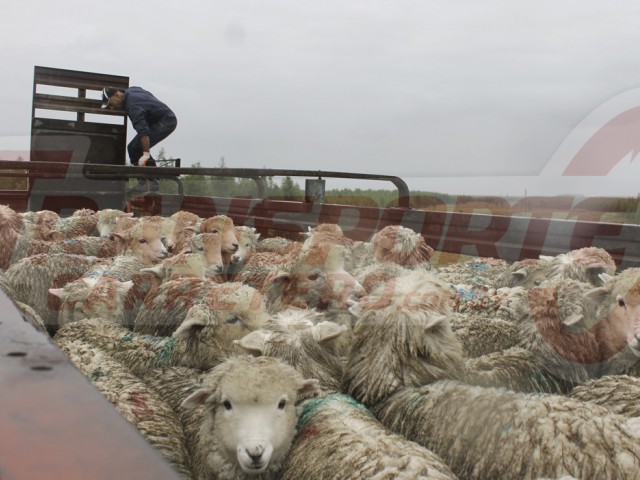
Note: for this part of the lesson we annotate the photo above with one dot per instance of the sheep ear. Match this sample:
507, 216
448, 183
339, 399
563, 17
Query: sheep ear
605, 277
58, 292
309, 387
596, 269
573, 320
157, 270
90, 281
253, 342
326, 330
546, 258
257, 237
597, 295
189, 327
197, 398
520, 274
355, 309
435, 319
126, 286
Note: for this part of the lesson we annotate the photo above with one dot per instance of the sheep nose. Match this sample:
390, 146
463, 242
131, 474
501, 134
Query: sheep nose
256, 458
235, 247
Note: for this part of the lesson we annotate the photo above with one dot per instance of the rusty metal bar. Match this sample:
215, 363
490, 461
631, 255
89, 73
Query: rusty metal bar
53, 423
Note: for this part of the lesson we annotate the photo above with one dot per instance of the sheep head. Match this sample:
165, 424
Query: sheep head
251, 414
402, 337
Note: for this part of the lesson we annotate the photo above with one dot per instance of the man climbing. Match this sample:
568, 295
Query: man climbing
152, 120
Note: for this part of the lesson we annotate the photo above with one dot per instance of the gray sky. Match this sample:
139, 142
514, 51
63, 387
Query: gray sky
463, 97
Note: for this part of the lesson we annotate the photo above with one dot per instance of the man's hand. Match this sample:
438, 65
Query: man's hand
144, 159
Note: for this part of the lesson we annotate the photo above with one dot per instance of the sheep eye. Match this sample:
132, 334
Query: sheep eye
227, 405
233, 320
142, 240
621, 302
282, 404
201, 249
313, 277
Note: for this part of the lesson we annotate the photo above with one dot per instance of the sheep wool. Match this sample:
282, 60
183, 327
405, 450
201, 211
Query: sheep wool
134, 400
339, 438
489, 433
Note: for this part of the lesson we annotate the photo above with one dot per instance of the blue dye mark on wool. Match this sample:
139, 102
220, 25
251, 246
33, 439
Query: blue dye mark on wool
164, 354
127, 337
480, 266
466, 294
310, 406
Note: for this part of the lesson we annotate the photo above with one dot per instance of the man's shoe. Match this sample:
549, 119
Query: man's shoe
140, 187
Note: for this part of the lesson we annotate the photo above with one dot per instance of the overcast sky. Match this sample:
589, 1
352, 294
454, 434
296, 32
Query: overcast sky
489, 97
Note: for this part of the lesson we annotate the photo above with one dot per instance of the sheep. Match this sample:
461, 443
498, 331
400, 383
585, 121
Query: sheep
107, 219
618, 327
313, 279
480, 336
406, 365
557, 330
198, 344
30, 279
11, 224
178, 230
493, 433
529, 272
325, 233
476, 271
172, 303
301, 339
31, 317
205, 261
583, 264
339, 438
140, 405
100, 247
224, 225
248, 239
88, 297
141, 247
82, 222
401, 245
619, 393
249, 417
515, 368
40, 225
279, 245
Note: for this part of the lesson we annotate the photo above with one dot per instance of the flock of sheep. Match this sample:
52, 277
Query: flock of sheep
237, 356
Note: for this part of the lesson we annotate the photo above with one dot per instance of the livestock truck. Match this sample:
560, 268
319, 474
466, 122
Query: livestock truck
53, 423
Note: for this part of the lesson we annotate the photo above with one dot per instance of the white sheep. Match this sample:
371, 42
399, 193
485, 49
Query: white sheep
30, 279
475, 271
405, 366
107, 219
178, 229
481, 336
248, 239
249, 418
618, 393
143, 407
224, 225
169, 305
88, 297
339, 438
583, 264
495, 433
203, 340
313, 278
304, 341
201, 257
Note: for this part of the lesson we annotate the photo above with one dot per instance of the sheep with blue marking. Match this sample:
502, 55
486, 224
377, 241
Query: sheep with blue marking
406, 365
